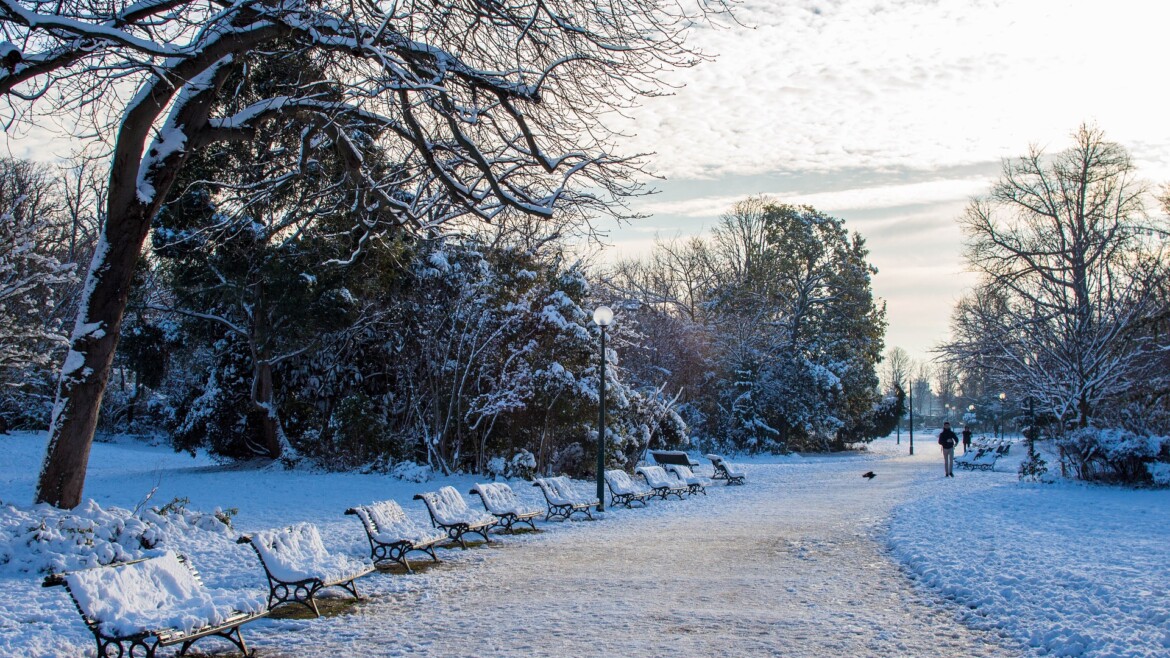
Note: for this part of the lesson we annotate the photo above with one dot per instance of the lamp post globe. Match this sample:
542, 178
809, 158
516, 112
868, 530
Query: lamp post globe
602, 317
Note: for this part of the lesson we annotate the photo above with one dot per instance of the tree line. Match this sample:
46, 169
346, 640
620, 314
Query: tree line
474, 350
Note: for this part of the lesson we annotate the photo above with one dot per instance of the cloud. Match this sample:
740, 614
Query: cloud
833, 201
914, 84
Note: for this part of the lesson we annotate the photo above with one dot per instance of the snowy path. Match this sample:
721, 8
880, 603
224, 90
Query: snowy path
789, 565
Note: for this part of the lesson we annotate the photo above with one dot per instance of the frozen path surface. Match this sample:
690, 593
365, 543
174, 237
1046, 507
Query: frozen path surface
789, 565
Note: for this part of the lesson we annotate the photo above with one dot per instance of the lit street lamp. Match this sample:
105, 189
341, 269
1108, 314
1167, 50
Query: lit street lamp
603, 316
1002, 397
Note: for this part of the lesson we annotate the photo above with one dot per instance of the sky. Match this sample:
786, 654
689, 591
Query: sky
892, 114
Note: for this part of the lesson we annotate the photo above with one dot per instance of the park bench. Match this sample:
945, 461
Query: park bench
562, 499
501, 502
450, 513
133, 608
983, 459
725, 470
664, 457
298, 566
662, 484
393, 535
623, 490
684, 474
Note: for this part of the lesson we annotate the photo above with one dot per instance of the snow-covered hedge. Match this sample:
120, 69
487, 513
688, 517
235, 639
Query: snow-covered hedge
1115, 454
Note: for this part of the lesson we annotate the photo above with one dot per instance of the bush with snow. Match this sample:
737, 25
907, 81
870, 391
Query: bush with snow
1113, 454
45, 539
1159, 472
409, 471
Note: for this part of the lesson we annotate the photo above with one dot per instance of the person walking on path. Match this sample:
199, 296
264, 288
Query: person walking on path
966, 438
947, 439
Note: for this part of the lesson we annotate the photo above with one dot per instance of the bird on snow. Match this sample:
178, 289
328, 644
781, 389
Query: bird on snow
869, 475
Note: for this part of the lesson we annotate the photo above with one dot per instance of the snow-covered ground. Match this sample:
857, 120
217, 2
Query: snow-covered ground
807, 559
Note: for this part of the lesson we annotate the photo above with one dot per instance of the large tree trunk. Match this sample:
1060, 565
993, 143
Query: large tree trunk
264, 400
91, 353
139, 180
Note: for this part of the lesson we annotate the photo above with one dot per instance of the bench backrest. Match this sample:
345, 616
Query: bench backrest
620, 483
683, 473
671, 457
385, 521
293, 553
145, 595
727, 467
447, 507
498, 498
565, 489
384, 515
559, 491
656, 476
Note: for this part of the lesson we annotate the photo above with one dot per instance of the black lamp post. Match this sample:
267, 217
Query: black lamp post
911, 417
603, 316
999, 424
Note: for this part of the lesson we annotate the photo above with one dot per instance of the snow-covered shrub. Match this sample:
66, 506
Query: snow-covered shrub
357, 434
409, 471
497, 467
522, 466
44, 539
1112, 454
569, 459
218, 414
1159, 473
1033, 468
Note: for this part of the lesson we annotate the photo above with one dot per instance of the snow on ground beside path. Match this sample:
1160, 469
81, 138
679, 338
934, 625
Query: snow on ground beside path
1066, 569
799, 562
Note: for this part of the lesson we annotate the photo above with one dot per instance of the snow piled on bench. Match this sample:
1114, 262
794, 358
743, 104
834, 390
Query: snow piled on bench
449, 508
157, 593
657, 478
560, 491
392, 525
621, 484
297, 553
500, 499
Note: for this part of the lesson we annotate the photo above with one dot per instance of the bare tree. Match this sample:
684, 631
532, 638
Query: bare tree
946, 383
486, 107
895, 374
676, 280
33, 277
740, 236
1069, 261
921, 373
897, 368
